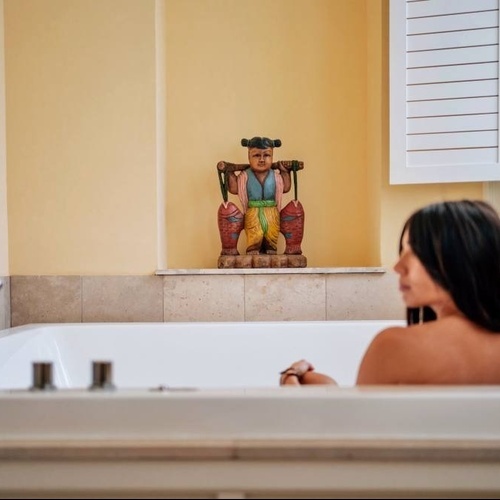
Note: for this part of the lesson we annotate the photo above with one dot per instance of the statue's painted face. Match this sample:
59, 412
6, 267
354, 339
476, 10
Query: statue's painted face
260, 160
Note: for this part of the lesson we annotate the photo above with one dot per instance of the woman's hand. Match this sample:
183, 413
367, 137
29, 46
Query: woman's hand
295, 372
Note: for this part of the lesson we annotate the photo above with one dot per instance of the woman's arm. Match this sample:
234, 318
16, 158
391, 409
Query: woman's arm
315, 378
302, 373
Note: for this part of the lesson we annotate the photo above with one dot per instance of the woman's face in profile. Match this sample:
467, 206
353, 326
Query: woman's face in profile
260, 160
417, 288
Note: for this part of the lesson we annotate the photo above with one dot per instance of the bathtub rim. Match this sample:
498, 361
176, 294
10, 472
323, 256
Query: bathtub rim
340, 464
312, 412
128, 324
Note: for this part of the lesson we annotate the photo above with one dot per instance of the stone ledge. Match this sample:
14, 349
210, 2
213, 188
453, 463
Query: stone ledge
282, 270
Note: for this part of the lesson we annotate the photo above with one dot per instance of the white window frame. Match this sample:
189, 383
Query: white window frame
400, 171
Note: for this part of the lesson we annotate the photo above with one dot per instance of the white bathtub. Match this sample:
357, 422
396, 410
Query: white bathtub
223, 428
201, 355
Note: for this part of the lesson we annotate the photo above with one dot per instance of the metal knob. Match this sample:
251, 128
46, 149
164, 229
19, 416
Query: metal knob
102, 376
42, 377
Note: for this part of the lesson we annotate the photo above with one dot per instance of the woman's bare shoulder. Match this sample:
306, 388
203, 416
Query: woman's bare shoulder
395, 336
449, 350
393, 356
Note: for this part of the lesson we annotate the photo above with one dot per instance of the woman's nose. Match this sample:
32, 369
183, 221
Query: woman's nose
398, 267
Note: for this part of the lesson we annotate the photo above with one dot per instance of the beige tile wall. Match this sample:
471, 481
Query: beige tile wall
121, 298
201, 297
4, 302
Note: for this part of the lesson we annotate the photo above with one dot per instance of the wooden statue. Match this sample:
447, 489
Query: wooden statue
260, 185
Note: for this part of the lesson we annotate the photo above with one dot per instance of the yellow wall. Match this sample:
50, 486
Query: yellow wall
84, 138
4, 252
80, 80
375, 88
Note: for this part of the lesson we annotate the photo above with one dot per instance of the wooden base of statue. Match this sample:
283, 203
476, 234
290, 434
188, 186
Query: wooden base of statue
261, 261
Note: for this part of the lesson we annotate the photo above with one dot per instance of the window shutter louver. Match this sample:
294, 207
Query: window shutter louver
444, 91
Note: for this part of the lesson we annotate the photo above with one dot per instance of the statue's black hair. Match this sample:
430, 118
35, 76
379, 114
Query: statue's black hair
260, 143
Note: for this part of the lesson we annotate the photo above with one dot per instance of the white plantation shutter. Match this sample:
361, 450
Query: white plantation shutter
444, 91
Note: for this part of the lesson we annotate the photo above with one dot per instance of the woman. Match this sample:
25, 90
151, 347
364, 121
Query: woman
449, 278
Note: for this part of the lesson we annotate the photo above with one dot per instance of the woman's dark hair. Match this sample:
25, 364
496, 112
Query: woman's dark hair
458, 243
261, 143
